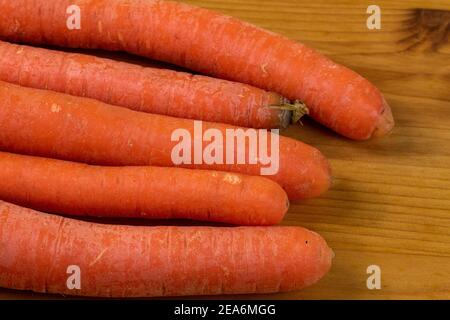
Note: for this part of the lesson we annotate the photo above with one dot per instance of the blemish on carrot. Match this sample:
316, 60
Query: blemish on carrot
263, 68
55, 108
98, 257
16, 25
232, 179
100, 26
225, 271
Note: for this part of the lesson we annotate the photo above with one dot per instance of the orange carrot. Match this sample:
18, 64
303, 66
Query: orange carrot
56, 125
210, 43
148, 192
128, 261
152, 90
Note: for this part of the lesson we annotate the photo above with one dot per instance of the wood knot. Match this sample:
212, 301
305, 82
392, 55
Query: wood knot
431, 29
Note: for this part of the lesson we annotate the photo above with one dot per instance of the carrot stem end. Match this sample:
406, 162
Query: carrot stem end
298, 109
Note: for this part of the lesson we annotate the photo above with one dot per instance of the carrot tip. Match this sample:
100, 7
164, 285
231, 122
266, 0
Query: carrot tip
385, 122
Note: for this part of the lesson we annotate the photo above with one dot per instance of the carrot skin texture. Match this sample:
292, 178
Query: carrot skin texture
151, 90
140, 192
214, 44
131, 261
50, 124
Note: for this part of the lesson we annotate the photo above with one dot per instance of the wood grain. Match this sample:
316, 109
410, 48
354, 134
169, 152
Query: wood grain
390, 202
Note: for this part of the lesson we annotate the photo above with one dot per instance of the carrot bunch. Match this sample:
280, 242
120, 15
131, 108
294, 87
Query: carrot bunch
88, 136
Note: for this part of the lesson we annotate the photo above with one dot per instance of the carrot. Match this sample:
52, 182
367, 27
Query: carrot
148, 192
150, 90
56, 125
130, 261
210, 43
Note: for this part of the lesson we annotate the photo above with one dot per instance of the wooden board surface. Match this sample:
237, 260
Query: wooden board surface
390, 202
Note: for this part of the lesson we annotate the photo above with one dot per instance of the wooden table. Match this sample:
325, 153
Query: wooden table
390, 202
